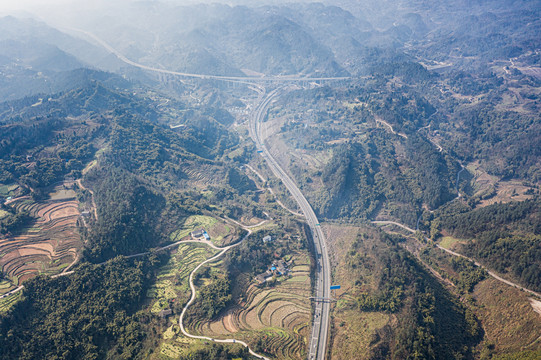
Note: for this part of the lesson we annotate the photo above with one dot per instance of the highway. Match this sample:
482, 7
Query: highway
320, 325
286, 78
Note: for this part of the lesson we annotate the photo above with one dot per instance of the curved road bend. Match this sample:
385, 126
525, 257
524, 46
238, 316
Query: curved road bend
320, 325
201, 76
193, 296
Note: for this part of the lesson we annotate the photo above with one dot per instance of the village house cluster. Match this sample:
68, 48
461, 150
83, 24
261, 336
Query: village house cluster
277, 268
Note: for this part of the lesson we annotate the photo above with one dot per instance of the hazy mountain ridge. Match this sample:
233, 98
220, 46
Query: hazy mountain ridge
439, 119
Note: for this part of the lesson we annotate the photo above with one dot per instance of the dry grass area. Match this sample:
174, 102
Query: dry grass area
507, 315
48, 246
354, 332
278, 316
450, 242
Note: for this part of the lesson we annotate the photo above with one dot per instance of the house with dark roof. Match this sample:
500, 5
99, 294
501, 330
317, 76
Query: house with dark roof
197, 234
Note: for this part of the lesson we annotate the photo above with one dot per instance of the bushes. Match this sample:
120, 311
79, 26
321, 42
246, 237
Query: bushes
14, 222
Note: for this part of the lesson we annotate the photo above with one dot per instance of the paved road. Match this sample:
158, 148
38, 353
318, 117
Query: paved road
320, 325
293, 78
193, 296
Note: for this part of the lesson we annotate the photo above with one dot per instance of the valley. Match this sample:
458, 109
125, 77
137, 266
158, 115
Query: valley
340, 180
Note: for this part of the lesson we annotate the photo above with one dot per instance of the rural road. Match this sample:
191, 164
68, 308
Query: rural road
491, 273
194, 294
320, 325
320, 328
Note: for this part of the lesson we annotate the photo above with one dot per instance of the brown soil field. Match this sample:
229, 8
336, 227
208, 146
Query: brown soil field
53, 240
64, 212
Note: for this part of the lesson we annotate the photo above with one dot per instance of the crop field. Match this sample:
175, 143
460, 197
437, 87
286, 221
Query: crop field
48, 246
172, 290
8, 190
172, 283
62, 194
276, 317
3, 214
221, 233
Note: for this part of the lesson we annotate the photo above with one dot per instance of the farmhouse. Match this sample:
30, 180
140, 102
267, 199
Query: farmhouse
261, 278
267, 239
201, 233
279, 268
197, 233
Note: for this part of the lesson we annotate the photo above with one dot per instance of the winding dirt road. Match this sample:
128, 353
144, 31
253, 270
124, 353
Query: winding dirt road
194, 294
491, 273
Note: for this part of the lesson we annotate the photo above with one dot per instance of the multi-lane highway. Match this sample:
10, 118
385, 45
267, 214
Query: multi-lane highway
320, 324
286, 78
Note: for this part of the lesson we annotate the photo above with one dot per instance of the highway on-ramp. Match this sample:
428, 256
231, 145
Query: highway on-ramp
320, 325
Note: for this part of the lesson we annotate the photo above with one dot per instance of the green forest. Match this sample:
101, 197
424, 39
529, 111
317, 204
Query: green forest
92, 314
507, 238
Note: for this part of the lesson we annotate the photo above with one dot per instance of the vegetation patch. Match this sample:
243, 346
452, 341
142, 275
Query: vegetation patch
8, 302
448, 242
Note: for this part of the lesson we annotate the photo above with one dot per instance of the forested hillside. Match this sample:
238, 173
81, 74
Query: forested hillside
136, 171
505, 237
146, 138
91, 314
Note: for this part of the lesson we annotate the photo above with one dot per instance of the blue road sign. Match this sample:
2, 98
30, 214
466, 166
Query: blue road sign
335, 287
259, 151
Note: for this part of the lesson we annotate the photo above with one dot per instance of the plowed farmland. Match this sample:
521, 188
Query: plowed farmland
48, 246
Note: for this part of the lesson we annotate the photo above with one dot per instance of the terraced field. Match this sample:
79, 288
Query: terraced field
172, 290
47, 247
172, 281
277, 318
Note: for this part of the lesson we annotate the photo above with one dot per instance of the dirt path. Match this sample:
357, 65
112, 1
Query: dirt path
380, 120
272, 192
193, 296
536, 305
94, 207
491, 273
